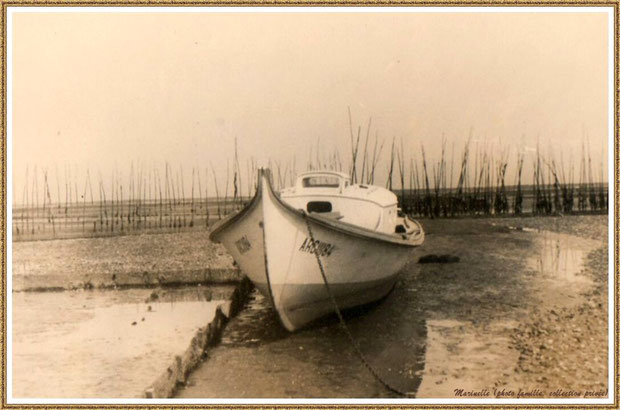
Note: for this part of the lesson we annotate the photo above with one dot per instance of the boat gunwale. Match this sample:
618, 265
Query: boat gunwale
228, 220
338, 226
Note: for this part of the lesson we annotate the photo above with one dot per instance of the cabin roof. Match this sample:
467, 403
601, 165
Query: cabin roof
326, 172
378, 195
373, 193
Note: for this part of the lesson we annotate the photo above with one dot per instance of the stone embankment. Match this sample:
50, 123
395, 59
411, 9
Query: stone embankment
165, 386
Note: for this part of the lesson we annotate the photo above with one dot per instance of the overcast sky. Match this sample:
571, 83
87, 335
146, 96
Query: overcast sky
100, 90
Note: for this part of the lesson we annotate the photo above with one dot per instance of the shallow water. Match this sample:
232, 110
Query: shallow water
558, 262
82, 344
561, 256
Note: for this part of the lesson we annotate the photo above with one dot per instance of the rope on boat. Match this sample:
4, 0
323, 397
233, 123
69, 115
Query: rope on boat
343, 324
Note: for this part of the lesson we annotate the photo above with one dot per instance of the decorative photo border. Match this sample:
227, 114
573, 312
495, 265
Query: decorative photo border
8, 5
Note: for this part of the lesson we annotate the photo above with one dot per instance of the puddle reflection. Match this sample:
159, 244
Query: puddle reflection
560, 257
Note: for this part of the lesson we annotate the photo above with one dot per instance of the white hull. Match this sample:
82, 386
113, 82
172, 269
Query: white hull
270, 242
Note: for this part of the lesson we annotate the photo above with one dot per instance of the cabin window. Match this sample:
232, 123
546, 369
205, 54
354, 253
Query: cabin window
321, 182
319, 206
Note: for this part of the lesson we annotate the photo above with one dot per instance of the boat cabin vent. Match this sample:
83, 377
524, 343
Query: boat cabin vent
319, 206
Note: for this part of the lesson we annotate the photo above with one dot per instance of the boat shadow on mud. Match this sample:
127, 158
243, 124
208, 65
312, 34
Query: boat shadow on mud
396, 352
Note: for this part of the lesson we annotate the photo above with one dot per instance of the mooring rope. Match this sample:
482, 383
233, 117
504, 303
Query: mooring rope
343, 324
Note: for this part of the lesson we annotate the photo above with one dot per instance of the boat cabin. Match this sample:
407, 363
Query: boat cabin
332, 195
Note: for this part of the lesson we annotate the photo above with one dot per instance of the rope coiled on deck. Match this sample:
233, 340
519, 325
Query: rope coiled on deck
343, 324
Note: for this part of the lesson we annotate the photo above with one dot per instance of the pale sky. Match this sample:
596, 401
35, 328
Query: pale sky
99, 90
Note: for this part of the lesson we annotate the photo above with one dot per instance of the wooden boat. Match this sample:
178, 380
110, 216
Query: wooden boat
355, 230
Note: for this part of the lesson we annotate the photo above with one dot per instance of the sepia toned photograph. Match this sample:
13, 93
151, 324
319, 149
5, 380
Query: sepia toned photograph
258, 205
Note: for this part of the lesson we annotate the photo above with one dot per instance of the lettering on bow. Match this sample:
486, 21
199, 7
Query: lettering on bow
320, 248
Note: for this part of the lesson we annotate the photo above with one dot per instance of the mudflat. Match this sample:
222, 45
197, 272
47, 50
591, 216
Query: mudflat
522, 313
125, 260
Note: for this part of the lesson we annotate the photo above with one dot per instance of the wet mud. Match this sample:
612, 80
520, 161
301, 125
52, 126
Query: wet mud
109, 344
447, 329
